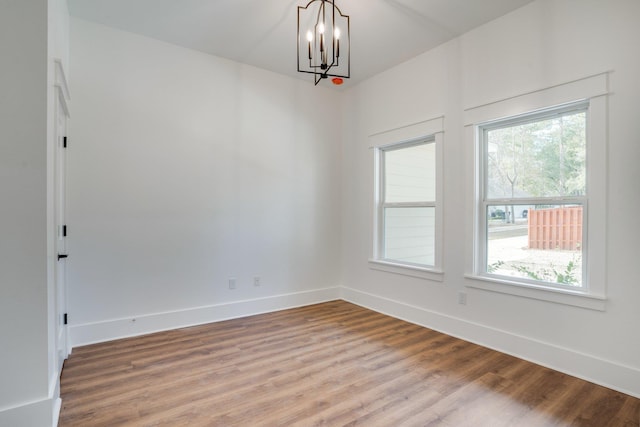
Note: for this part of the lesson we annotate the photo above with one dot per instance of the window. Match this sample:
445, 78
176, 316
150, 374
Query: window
533, 197
539, 192
407, 203
407, 219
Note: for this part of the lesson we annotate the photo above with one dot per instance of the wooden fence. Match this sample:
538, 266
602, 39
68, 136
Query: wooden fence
558, 228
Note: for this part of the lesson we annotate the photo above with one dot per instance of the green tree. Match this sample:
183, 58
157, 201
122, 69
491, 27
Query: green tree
539, 159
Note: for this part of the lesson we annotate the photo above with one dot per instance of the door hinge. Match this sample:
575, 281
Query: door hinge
64, 141
65, 318
64, 231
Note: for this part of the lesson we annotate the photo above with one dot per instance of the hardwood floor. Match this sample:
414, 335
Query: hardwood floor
331, 364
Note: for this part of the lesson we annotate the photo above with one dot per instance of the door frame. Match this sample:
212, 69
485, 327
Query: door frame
61, 117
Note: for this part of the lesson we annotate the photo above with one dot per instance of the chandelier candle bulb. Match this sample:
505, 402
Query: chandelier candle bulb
323, 53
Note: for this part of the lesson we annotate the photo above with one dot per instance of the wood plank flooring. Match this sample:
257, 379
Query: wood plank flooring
331, 364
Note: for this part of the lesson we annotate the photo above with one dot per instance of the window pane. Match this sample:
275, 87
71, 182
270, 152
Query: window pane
540, 243
545, 158
409, 235
410, 174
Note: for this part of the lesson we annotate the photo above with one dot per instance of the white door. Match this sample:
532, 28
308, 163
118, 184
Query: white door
61, 235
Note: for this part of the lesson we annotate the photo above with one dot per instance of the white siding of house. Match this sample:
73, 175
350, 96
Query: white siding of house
410, 176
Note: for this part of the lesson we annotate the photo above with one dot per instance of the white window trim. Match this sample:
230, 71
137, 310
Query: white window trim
407, 270
414, 133
593, 90
484, 201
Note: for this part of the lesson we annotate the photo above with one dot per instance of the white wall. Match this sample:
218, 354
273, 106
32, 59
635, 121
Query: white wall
23, 115
184, 170
27, 45
546, 43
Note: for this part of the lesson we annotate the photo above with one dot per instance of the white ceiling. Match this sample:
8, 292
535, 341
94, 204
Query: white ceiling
262, 33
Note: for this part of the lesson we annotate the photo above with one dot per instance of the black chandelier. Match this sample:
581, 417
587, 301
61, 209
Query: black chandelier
323, 41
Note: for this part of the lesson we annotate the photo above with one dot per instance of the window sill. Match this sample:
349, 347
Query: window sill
558, 296
407, 270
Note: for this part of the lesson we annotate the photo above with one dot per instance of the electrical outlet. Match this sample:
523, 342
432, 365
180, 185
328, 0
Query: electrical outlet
232, 282
462, 298
256, 281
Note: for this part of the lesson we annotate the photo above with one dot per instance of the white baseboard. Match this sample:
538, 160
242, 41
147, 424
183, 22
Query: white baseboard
91, 333
44, 412
54, 397
36, 413
57, 407
609, 374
